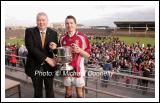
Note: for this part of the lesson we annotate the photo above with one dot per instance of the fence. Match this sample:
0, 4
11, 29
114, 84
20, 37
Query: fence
97, 81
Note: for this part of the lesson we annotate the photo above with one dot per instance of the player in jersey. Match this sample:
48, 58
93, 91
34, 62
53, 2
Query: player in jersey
80, 50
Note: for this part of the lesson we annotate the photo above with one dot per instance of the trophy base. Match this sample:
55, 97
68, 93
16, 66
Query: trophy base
67, 67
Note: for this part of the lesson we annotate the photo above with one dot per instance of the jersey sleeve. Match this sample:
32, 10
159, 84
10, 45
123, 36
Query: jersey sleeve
88, 46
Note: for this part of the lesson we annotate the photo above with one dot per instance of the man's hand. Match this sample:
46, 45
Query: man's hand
52, 45
51, 62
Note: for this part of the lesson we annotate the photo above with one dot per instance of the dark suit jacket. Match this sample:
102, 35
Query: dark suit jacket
37, 54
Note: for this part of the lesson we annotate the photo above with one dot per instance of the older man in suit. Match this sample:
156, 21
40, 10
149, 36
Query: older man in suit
40, 65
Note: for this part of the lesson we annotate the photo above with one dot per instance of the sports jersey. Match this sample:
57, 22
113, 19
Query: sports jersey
77, 59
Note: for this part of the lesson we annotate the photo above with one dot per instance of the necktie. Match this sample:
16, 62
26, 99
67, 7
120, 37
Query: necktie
43, 39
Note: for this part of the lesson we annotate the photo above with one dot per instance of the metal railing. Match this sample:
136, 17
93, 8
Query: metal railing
97, 80
122, 74
95, 90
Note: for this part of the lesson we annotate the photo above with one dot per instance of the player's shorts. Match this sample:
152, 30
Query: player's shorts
74, 81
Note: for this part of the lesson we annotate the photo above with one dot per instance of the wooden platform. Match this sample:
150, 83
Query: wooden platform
12, 88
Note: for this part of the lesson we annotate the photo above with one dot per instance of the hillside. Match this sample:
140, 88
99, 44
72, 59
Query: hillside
18, 33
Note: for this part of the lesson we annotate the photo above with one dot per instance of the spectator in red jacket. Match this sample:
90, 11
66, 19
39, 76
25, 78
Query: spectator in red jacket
13, 58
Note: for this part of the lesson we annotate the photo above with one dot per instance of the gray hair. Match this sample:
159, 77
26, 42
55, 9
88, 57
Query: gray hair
42, 14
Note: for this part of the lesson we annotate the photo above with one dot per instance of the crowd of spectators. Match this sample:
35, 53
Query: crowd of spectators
134, 59
12, 52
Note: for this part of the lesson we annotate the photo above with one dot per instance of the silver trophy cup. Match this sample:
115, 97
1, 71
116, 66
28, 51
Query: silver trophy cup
64, 57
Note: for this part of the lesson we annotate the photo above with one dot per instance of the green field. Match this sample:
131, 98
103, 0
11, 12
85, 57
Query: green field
130, 40
15, 41
142, 40
127, 40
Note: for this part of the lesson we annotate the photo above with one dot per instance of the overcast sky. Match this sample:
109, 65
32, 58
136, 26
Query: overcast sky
87, 13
